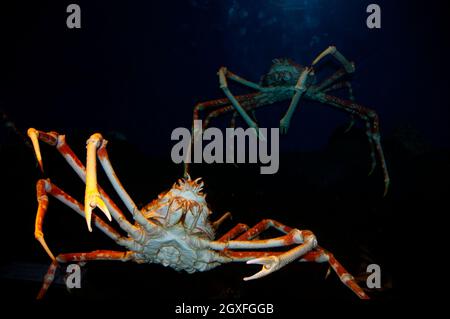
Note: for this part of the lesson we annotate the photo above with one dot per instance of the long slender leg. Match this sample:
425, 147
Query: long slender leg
372, 123
242, 81
305, 240
320, 255
224, 86
245, 82
300, 88
262, 226
218, 222
207, 106
317, 254
81, 257
196, 116
228, 108
293, 237
59, 141
95, 142
331, 79
346, 85
348, 66
234, 232
92, 196
45, 187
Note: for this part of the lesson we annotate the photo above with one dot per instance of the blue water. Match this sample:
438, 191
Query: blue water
138, 69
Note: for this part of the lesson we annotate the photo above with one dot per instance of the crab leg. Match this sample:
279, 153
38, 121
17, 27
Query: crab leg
372, 124
45, 187
81, 257
348, 68
331, 50
331, 79
320, 255
92, 197
49, 138
59, 141
243, 81
223, 73
97, 141
305, 239
234, 232
348, 86
203, 106
218, 222
300, 88
262, 226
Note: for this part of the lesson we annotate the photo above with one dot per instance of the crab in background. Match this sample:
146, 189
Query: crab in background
173, 230
287, 80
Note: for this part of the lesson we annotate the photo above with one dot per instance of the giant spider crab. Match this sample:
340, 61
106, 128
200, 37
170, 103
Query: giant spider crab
173, 230
287, 80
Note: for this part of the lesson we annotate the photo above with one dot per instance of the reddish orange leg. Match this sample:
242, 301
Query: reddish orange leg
234, 232
211, 106
305, 241
331, 80
262, 226
97, 141
320, 255
59, 141
80, 257
372, 125
316, 254
218, 222
246, 234
44, 187
347, 85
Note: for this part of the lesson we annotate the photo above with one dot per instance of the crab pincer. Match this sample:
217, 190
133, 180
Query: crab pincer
270, 264
92, 197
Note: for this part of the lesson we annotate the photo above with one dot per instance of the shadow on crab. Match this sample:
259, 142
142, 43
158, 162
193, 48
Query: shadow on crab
173, 230
287, 80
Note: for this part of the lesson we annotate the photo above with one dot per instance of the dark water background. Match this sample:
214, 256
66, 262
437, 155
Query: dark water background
136, 69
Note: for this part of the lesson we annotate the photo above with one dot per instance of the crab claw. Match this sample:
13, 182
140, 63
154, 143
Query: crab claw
270, 264
92, 200
33, 134
92, 197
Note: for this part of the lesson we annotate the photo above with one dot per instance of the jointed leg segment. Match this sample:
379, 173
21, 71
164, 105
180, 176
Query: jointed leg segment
45, 187
59, 142
81, 257
307, 250
223, 74
372, 124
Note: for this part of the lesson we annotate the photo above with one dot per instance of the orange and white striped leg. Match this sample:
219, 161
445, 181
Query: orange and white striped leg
96, 141
59, 141
305, 240
320, 255
80, 257
234, 232
45, 187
